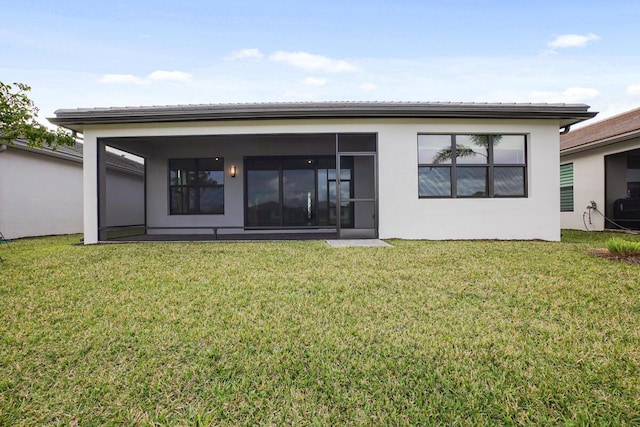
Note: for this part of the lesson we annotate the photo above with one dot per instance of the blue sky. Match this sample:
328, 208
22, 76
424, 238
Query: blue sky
140, 52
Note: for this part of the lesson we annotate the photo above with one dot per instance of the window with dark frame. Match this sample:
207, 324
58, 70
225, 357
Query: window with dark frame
196, 186
566, 187
472, 165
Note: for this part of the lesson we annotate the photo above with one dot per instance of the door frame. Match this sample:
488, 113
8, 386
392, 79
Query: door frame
353, 233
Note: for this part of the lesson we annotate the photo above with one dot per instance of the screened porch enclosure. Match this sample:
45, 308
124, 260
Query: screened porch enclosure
622, 190
254, 186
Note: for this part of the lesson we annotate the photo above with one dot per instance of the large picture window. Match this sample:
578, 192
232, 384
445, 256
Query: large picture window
196, 186
472, 166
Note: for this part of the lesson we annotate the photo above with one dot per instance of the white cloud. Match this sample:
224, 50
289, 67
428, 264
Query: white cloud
572, 40
156, 76
314, 81
633, 89
121, 79
368, 86
169, 76
311, 62
581, 93
569, 95
246, 54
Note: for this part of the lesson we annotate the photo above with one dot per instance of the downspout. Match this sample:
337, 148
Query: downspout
565, 130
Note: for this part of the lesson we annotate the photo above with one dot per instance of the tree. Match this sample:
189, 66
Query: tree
18, 116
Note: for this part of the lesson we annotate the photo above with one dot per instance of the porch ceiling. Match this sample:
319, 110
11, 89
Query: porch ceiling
144, 145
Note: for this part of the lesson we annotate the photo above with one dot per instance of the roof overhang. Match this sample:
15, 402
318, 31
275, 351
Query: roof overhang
77, 119
600, 143
62, 153
75, 154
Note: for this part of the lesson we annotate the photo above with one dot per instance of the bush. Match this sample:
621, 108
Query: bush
623, 248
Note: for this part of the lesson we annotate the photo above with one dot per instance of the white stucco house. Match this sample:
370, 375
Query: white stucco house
41, 190
600, 174
344, 169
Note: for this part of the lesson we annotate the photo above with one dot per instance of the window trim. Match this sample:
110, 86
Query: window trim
197, 186
489, 165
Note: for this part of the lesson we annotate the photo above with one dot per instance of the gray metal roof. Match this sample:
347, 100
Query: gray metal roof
75, 119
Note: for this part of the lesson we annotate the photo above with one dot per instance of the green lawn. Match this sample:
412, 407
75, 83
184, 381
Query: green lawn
282, 333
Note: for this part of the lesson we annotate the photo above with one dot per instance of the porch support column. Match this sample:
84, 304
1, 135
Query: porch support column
90, 188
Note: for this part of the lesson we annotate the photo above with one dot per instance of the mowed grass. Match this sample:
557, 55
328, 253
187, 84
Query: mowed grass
297, 333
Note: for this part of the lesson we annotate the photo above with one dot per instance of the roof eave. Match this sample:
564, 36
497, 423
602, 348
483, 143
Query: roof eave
74, 157
77, 119
45, 151
600, 143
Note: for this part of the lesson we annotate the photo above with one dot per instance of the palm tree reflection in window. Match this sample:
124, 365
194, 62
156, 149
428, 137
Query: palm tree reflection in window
465, 152
209, 178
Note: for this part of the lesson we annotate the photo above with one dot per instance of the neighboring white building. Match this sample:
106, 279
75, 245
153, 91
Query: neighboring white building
601, 163
388, 170
41, 190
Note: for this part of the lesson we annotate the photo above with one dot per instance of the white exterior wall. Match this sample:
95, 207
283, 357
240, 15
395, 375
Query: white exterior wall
39, 195
402, 214
125, 198
589, 184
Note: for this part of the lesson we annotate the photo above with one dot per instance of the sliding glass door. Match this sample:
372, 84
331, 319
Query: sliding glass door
295, 192
338, 191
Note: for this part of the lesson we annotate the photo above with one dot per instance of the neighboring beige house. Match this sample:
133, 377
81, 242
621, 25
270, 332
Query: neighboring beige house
600, 165
344, 169
41, 190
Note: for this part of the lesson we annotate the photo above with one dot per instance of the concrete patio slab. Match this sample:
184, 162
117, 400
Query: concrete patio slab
366, 243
